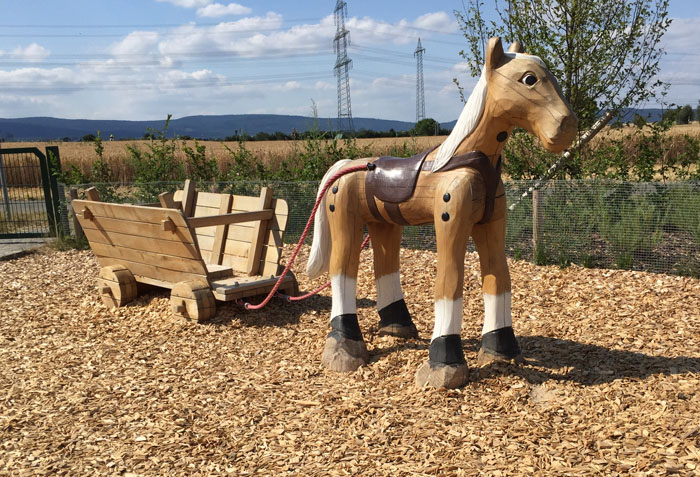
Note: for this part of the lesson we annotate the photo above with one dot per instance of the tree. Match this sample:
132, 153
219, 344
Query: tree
426, 127
685, 115
639, 120
605, 53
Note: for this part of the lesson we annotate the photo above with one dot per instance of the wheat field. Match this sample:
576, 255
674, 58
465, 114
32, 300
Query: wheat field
270, 153
82, 154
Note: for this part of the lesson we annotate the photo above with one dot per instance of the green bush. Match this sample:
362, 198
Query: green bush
156, 164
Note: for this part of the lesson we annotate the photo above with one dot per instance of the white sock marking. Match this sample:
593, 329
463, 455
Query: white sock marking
496, 312
448, 317
388, 290
343, 292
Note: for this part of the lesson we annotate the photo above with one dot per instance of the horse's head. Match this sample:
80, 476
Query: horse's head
526, 93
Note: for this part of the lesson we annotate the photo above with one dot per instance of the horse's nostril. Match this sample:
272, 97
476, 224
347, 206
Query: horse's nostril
569, 124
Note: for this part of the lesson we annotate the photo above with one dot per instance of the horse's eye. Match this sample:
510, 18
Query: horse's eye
529, 79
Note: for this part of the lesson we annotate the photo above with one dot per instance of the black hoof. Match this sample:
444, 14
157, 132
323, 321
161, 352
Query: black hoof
499, 345
395, 320
446, 366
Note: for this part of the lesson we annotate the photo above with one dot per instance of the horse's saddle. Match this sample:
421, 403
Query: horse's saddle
393, 180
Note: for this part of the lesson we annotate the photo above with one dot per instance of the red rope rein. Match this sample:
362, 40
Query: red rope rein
273, 292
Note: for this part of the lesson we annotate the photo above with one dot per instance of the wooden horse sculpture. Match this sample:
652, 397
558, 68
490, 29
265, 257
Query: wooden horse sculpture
458, 188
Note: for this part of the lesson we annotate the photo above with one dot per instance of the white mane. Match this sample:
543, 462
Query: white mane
471, 115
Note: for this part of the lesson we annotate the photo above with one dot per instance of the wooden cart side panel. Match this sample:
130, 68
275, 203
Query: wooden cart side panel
116, 239
236, 246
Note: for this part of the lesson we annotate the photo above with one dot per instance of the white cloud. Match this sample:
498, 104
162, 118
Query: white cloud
437, 21
40, 80
219, 10
136, 43
33, 53
188, 3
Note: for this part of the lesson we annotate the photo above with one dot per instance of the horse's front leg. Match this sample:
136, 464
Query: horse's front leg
394, 318
345, 349
446, 366
497, 338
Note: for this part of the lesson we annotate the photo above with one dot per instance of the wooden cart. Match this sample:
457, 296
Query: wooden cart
203, 246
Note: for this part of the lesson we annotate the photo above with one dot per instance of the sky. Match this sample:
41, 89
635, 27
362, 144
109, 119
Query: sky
144, 59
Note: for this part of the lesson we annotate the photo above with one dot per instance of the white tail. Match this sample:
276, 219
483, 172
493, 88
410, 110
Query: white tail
321, 246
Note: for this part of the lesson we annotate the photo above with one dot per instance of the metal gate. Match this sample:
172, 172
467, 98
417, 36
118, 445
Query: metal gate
29, 200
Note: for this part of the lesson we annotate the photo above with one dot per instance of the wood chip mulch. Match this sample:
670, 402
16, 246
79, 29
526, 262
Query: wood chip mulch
611, 383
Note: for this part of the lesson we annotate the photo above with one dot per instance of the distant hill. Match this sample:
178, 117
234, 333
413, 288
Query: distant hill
204, 127
207, 127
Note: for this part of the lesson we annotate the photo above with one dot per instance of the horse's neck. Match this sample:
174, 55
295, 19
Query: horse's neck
487, 137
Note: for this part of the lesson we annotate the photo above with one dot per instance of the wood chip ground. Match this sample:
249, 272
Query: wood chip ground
610, 386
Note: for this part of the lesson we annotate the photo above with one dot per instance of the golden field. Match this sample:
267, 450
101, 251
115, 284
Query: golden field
82, 154
271, 153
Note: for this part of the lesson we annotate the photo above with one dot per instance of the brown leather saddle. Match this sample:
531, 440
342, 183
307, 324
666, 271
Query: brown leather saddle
393, 180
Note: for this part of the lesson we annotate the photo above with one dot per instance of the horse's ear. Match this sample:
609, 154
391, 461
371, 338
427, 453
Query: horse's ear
516, 47
494, 53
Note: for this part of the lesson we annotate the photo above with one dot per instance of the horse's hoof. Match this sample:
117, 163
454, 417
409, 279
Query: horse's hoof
400, 331
438, 375
487, 357
344, 355
499, 346
395, 320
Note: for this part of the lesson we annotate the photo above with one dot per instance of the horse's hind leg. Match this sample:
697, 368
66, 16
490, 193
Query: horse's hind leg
345, 350
394, 318
497, 338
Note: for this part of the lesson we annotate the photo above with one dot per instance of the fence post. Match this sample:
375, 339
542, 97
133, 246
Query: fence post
79, 233
537, 218
5, 194
53, 159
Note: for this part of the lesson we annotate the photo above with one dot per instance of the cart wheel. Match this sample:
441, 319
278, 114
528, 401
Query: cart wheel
193, 300
117, 286
291, 289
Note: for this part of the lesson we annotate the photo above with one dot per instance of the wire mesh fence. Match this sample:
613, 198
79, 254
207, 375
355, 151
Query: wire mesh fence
641, 226
23, 206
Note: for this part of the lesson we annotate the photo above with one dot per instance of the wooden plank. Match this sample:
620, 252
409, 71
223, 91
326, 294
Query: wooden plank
271, 269
174, 248
188, 200
226, 290
256, 242
242, 249
241, 203
278, 222
234, 218
218, 271
166, 200
135, 213
92, 194
217, 249
164, 263
79, 234
150, 271
210, 199
139, 229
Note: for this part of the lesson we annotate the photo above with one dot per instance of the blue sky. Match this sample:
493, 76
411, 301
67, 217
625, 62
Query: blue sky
145, 59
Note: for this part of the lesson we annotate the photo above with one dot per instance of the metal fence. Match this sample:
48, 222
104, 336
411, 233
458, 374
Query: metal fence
640, 226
